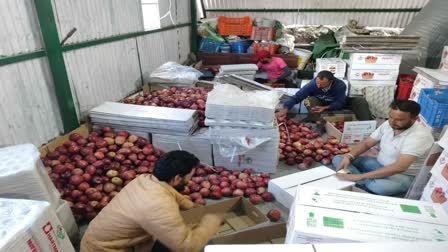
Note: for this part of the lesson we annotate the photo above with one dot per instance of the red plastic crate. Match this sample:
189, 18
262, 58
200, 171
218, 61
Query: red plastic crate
405, 84
240, 26
262, 33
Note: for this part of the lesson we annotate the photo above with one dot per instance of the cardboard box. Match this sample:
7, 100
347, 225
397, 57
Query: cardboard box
421, 180
239, 215
335, 65
67, 220
354, 131
261, 248
440, 168
436, 191
323, 225
406, 209
420, 82
198, 144
271, 234
382, 246
284, 188
372, 74
374, 59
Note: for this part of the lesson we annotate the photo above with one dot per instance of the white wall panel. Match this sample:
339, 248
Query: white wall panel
108, 72
19, 27
158, 48
95, 19
28, 107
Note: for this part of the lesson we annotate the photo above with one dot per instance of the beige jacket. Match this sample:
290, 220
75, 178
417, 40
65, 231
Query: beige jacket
144, 211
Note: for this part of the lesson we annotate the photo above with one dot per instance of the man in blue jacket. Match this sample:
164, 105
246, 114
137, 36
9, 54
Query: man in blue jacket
326, 93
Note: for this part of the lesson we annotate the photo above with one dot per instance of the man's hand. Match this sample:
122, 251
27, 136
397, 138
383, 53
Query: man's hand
272, 81
318, 109
438, 196
281, 113
345, 162
349, 177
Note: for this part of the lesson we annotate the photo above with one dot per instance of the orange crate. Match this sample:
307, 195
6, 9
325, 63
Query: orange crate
271, 48
262, 33
241, 26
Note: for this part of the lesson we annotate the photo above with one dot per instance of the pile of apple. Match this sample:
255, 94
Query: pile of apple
339, 125
216, 183
175, 97
90, 171
302, 146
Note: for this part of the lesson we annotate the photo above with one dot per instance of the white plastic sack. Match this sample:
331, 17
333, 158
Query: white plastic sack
230, 95
174, 73
287, 41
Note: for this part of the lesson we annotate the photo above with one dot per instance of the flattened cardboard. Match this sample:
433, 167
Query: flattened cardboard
254, 236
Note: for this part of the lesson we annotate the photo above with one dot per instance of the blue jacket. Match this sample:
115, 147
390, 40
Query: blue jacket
334, 97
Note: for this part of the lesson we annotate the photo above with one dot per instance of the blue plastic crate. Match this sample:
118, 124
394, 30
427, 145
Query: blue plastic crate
209, 45
434, 106
240, 46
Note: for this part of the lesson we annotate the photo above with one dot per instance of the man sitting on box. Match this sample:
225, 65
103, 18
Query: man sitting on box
147, 209
326, 93
276, 68
404, 144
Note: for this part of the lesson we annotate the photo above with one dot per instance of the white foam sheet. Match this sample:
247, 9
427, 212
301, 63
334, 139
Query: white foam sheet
239, 67
149, 113
145, 118
25, 224
22, 175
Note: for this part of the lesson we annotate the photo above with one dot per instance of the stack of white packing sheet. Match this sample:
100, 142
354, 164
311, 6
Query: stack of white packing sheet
28, 225
157, 120
320, 215
244, 70
231, 103
23, 176
198, 144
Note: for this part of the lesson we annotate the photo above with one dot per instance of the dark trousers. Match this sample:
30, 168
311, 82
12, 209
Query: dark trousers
358, 105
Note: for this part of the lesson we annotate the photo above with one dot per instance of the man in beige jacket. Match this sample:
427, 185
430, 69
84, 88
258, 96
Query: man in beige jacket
147, 209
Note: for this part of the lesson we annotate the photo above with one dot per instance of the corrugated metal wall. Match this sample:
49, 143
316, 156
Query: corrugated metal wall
382, 19
20, 27
28, 106
431, 25
96, 19
106, 72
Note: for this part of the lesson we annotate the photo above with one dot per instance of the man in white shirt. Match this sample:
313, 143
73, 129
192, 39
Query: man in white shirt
404, 144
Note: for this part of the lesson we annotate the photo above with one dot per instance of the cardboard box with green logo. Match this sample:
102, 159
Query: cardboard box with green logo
321, 216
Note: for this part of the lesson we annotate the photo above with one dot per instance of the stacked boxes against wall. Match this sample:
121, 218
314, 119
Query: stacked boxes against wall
430, 91
23, 176
243, 129
374, 76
